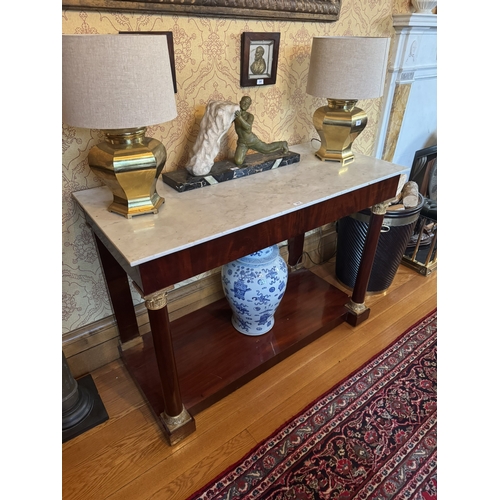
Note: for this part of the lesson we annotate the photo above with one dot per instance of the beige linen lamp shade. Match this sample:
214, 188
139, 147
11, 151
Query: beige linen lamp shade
116, 81
348, 67
344, 70
121, 84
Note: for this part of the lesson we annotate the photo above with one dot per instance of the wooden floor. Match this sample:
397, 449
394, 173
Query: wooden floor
127, 458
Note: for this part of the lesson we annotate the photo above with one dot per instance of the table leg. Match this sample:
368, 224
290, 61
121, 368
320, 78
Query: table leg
295, 251
357, 310
119, 293
177, 421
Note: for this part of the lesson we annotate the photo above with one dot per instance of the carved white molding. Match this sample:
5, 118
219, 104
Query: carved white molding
414, 21
413, 58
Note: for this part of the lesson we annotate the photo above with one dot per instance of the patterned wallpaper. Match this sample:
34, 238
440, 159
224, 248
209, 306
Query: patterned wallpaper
207, 61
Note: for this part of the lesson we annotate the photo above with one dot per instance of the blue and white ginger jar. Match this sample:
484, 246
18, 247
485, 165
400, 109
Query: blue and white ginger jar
254, 286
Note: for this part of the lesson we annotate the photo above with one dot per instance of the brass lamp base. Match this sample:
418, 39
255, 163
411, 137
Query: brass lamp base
338, 124
129, 164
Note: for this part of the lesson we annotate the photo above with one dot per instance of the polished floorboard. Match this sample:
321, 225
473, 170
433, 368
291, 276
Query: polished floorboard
127, 457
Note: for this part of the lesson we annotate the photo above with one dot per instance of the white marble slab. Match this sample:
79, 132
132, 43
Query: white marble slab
192, 217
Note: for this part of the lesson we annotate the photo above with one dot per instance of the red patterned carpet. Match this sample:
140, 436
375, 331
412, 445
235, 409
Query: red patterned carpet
373, 436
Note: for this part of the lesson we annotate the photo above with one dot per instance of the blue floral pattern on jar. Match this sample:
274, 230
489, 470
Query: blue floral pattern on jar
254, 286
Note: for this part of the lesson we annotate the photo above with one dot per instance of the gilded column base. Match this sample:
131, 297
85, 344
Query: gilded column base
356, 313
179, 427
356, 308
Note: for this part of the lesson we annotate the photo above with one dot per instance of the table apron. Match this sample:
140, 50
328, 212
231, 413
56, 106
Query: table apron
170, 269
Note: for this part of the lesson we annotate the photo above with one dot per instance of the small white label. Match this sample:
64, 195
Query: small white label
358, 123
298, 203
260, 81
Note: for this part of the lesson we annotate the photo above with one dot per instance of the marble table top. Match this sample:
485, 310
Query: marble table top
192, 217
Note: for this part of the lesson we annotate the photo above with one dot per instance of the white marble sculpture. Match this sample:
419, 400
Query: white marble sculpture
216, 121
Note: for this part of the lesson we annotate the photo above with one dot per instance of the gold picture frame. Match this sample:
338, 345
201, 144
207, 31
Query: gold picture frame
293, 10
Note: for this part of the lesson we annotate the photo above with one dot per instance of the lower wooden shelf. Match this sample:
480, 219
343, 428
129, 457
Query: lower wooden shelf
213, 359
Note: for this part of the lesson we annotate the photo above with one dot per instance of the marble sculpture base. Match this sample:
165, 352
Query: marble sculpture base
182, 180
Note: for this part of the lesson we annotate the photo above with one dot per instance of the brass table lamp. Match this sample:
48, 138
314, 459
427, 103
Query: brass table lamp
344, 70
121, 84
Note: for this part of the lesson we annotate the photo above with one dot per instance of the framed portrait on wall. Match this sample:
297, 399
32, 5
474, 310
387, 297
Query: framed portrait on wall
259, 59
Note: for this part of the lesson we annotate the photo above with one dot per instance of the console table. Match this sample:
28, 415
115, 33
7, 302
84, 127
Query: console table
186, 365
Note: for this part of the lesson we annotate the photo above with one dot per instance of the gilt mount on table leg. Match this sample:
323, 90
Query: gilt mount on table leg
357, 310
176, 420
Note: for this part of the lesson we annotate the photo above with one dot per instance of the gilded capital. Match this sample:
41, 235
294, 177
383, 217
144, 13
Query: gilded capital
380, 208
156, 300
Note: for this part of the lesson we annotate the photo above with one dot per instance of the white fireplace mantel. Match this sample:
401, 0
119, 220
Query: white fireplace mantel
414, 21
409, 115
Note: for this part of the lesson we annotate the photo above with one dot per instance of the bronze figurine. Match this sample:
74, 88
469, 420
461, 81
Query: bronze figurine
247, 139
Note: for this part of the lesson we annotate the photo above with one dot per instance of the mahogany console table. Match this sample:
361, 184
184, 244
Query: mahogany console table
186, 365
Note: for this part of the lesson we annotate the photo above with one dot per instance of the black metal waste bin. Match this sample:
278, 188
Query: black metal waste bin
397, 229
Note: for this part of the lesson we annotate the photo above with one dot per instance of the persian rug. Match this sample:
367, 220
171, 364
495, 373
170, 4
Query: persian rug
373, 436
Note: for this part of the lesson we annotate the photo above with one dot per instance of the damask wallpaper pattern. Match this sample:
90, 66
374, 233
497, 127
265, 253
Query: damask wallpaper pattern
207, 61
